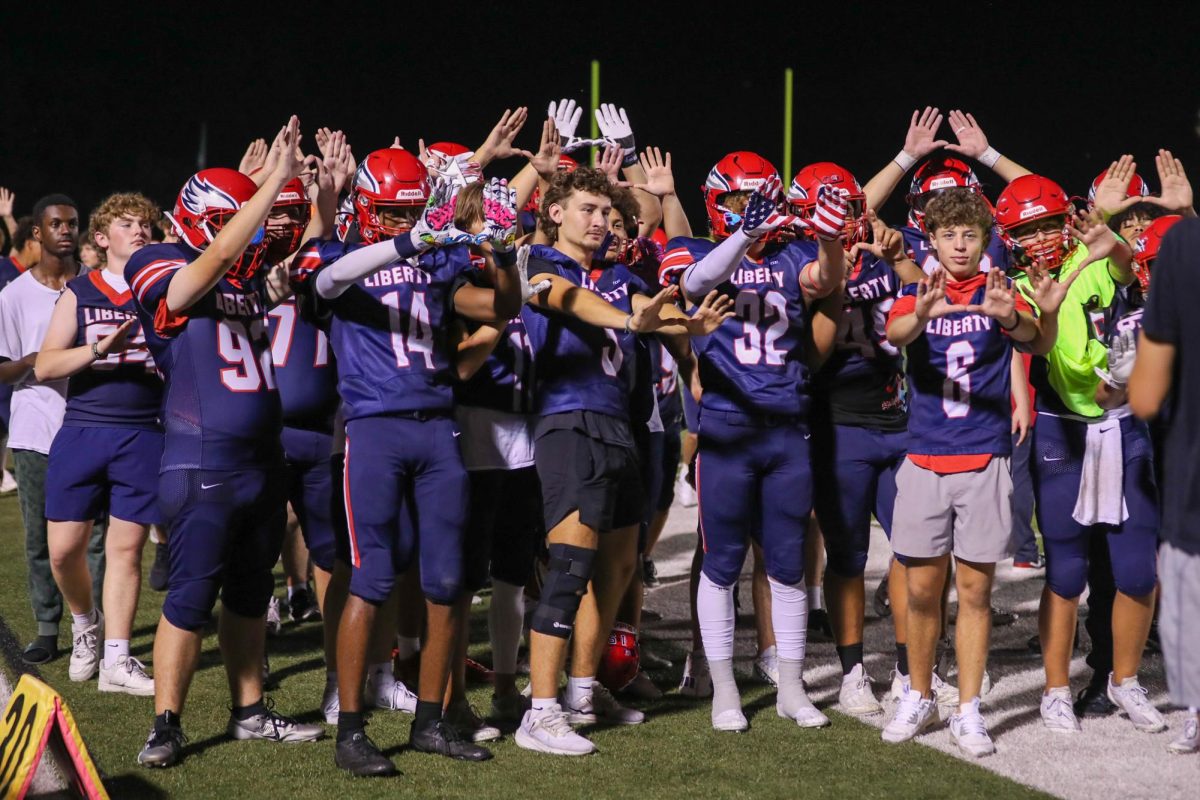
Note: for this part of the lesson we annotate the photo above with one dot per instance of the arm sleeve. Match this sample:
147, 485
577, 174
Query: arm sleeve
348, 270
715, 268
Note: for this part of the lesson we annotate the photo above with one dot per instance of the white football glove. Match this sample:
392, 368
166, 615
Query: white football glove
1121, 355
528, 291
614, 125
565, 114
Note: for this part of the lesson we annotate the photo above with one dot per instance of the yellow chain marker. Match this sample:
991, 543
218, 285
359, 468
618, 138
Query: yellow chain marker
36, 712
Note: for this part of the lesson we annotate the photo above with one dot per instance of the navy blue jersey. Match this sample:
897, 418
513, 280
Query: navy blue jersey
581, 367
1123, 314
305, 369
10, 270
754, 362
123, 390
862, 381
505, 381
389, 331
916, 244
221, 409
959, 377
666, 388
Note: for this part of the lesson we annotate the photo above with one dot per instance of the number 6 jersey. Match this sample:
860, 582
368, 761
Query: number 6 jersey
221, 409
754, 362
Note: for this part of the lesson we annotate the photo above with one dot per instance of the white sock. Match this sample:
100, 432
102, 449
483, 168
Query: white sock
816, 597
789, 616
381, 675
407, 646
113, 650
504, 625
714, 609
969, 707
791, 685
725, 691
578, 688
84, 620
541, 703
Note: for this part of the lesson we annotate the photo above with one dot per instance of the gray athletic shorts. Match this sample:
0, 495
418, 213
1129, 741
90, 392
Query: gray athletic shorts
1179, 608
968, 514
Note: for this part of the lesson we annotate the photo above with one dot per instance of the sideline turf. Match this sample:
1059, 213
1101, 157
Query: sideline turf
675, 755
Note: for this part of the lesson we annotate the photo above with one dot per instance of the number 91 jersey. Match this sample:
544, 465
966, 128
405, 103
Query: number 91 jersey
221, 409
754, 362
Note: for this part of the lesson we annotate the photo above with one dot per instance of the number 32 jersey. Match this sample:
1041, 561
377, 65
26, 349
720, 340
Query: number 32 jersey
221, 408
754, 362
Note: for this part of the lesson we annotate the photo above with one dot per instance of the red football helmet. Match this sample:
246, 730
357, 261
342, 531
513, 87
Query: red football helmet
294, 200
802, 197
206, 202
937, 173
344, 218
1030, 198
620, 662
741, 171
1145, 248
1137, 187
388, 177
565, 164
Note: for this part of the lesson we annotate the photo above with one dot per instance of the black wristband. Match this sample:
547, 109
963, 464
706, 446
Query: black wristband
1015, 325
505, 258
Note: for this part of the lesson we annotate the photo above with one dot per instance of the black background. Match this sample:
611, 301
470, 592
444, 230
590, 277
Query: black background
114, 99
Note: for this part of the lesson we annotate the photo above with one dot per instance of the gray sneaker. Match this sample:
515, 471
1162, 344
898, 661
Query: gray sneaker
162, 749
273, 727
1131, 698
1189, 740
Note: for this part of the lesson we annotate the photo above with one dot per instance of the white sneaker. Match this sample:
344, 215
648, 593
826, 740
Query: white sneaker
1058, 714
86, 641
331, 704
599, 706
970, 732
8, 484
913, 715
548, 731
697, 682
806, 715
274, 621
947, 695
731, 719
468, 723
766, 666
393, 697
1131, 698
856, 695
127, 675
1189, 740
642, 688
684, 493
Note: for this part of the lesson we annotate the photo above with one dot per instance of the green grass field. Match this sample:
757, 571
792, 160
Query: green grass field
674, 755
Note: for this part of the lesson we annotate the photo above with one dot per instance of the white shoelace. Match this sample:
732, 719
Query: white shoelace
1137, 695
85, 643
553, 722
1060, 708
973, 725
909, 711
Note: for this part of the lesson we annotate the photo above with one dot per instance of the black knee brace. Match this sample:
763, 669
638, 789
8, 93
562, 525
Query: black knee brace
566, 582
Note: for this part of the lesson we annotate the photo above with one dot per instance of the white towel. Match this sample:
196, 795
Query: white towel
1101, 486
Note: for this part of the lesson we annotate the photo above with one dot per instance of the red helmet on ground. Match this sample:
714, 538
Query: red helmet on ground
620, 662
565, 164
1137, 187
741, 171
294, 200
1145, 248
937, 173
802, 197
388, 177
206, 203
1031, 198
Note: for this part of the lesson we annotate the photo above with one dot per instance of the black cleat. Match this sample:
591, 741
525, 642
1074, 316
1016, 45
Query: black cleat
649, 574
163, 748
160, 568
441, 739
1093, 701
359, 756
302, 607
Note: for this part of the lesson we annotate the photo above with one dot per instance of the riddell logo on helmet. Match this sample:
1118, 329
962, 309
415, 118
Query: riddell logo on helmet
942, 183
409, 194
749, 184
1032, 211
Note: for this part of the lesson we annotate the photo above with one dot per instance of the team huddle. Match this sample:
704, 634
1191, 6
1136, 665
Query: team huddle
451, 380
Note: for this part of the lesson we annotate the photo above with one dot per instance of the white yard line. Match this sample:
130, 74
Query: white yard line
1109, 759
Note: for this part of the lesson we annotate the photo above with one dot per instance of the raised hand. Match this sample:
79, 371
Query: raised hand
614, 125
499, 143
459, 170
117, 341
921, 139
500, 214
1122, 354
1112, 195
609, 162
436, 227
716, 308
761, 216
527, 290
285, 159
660, 180
886, 243
931, 297
254, 157
545, 161
336, 158
646, 319
566, 116
999, 299
1176, 189
828, 220
6, 202
971, 139
1048, 292
1097, 237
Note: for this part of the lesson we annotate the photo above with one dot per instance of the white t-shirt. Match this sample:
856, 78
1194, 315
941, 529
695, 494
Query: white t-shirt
37, 408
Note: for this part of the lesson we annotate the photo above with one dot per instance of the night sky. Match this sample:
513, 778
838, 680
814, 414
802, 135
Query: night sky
115, 99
